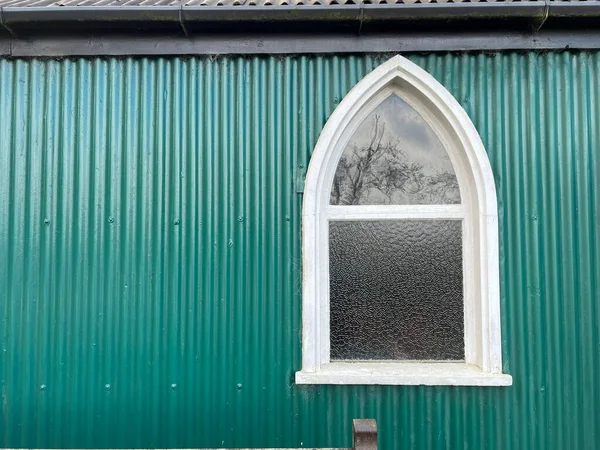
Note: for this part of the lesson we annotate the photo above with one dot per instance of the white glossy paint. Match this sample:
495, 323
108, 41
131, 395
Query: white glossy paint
478, 212
408, 373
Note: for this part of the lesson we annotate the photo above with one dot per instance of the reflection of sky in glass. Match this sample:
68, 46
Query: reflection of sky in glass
394, 158
416, 139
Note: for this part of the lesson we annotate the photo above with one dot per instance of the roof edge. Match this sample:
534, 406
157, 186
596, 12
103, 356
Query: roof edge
294, 44
67, 21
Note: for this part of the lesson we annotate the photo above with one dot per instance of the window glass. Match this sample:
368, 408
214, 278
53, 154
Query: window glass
394, 158
396, 290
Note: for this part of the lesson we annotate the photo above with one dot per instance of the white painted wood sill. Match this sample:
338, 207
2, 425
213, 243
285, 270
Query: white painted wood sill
408, 373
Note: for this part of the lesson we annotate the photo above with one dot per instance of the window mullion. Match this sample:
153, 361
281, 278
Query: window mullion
383, 212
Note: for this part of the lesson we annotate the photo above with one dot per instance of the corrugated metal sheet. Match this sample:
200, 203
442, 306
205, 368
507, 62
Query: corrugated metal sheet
150, 254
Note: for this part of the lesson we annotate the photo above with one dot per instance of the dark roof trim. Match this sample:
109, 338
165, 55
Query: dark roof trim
296, 44
295, 29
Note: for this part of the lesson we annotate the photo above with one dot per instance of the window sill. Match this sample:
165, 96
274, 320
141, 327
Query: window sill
428, 374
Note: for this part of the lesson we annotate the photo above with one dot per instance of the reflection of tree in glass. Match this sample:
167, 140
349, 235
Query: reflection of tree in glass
381, 173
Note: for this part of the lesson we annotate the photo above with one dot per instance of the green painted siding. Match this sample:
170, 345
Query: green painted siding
150, 261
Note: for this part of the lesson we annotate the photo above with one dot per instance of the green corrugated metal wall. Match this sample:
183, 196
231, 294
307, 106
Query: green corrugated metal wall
150, 258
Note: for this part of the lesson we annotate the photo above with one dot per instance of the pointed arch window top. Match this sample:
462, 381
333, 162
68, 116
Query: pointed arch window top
399, 204
394, 158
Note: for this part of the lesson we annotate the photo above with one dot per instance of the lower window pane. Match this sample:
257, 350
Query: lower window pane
396, 290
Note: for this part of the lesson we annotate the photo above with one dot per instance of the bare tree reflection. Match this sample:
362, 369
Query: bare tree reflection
381, 173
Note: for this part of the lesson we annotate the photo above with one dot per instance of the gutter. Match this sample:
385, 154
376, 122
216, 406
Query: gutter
186, 17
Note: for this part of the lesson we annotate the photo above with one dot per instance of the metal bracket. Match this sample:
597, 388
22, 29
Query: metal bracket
364, 433
182, 22
4, 25
536, 23
361, 16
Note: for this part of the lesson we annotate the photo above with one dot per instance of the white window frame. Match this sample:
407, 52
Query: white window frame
477, 211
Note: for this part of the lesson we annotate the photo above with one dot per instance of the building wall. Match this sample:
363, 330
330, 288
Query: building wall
150, 261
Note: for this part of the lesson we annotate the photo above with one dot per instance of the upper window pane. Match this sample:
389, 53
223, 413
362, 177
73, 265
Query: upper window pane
394, 158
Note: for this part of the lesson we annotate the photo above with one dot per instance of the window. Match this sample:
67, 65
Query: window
400, 241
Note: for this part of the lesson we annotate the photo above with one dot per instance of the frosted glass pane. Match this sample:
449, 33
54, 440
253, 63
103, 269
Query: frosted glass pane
394, 158
396, 290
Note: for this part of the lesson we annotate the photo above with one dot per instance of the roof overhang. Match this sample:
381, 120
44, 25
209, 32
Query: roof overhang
26, 31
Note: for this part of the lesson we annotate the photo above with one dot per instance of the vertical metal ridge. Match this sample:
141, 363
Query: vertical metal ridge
150, 279
594, 259
585, 315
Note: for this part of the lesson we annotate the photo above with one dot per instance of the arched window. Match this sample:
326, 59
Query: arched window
400, 241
